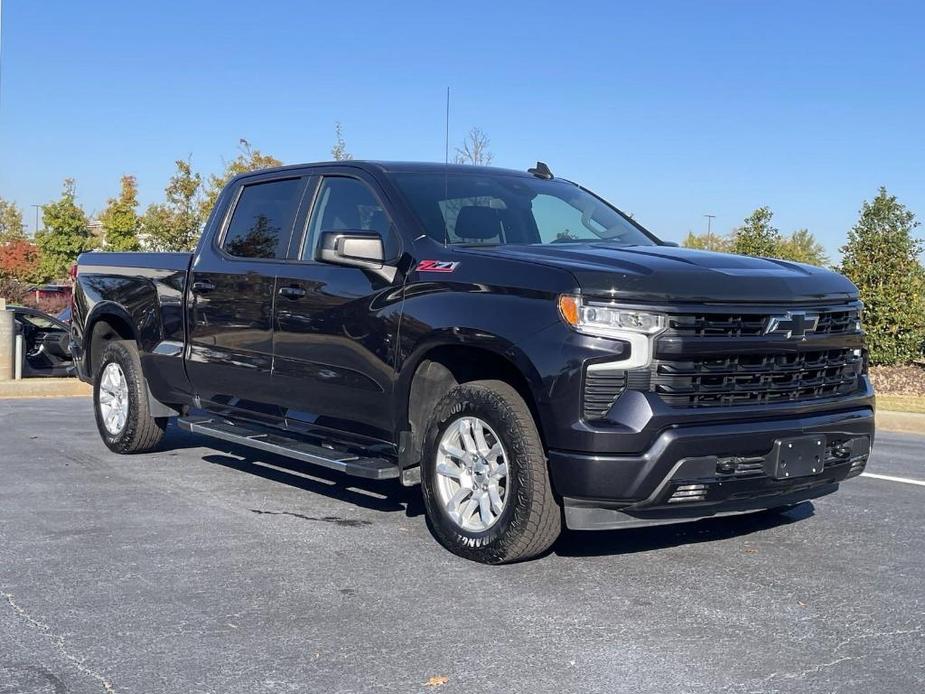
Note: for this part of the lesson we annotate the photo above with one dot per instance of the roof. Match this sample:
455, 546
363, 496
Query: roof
439, 167
401, 167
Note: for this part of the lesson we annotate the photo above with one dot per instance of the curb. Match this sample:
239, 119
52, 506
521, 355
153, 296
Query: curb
45, 388
907, 422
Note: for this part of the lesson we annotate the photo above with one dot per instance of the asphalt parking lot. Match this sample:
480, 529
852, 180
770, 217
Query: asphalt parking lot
201, 569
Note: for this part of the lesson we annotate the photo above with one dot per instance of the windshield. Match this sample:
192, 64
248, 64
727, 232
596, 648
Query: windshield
495, 209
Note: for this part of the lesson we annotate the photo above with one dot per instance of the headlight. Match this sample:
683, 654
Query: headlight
609, 320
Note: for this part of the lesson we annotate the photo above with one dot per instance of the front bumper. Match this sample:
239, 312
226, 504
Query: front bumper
692, 472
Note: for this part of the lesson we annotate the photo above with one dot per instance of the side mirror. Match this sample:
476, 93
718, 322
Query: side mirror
355, 248
671, 244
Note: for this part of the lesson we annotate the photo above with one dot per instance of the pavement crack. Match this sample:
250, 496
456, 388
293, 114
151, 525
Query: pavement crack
58, 642
809, 671
875, 635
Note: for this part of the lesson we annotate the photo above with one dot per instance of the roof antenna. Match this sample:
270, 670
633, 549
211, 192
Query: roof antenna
541, 171
446, 172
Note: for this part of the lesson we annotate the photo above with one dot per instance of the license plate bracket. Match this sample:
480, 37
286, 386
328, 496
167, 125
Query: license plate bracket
800, 456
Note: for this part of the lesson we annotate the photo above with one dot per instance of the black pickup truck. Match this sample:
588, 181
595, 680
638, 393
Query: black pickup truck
522, 349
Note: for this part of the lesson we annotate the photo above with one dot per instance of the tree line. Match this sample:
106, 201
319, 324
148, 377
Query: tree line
172, 224
881, 253
881, 256
759, 237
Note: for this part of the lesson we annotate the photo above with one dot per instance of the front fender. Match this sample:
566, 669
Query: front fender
499, 323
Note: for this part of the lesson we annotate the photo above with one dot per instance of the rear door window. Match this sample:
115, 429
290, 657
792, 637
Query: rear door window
261, 224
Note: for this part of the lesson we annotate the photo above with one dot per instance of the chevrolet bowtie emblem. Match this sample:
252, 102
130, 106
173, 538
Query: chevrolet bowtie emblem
792, 324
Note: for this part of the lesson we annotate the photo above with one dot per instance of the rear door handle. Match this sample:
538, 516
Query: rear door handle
203, 286
292, 292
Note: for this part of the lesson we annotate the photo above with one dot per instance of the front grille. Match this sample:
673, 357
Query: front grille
713, 358
831, 322
757, 378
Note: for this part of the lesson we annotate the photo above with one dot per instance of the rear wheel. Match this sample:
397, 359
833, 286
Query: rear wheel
120, 399
484, 476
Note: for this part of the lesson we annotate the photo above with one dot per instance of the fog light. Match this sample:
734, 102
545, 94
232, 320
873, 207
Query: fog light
857, 467
689, 492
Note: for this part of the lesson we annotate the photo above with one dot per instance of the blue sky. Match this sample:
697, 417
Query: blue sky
670, 109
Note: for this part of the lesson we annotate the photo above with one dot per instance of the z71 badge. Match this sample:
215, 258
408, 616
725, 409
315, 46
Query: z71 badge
436, 266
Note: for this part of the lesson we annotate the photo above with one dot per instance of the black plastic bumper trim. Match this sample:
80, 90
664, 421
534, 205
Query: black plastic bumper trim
630, 479
579, 515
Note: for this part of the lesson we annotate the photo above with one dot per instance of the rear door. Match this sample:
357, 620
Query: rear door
232, 295
336, 326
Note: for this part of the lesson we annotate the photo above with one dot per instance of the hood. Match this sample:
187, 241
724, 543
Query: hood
670, 274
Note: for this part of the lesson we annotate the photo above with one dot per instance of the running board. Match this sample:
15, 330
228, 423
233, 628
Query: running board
342, 461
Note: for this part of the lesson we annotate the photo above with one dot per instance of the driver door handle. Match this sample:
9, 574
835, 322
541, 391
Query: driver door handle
203, 286
292, 292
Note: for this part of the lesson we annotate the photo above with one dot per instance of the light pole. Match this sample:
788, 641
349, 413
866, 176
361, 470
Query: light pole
35, 229
710, 218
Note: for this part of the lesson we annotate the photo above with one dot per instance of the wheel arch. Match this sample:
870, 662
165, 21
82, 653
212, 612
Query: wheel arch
108, 322
439, 366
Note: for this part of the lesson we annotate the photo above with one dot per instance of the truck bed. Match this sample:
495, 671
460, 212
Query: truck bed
141, 294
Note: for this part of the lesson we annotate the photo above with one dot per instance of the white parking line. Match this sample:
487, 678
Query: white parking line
890, 478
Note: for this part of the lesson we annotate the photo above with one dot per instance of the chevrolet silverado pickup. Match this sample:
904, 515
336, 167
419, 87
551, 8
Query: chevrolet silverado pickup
530, 355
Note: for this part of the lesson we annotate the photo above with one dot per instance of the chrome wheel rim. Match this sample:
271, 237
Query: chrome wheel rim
472, 474
113, 398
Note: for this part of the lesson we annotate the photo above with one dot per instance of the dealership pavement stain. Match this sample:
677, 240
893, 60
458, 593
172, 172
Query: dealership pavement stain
27, 677
336, 520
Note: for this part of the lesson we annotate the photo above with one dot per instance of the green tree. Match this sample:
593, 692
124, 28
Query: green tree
120, 218
881, 257
757, 236
802, 247
65, 234
175, 225
708, 241
11, 224
339, 150
248, 159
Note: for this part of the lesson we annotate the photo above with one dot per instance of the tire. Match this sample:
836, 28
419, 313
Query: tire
139, 432
530, 520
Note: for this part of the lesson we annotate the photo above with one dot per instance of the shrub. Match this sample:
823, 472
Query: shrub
882, 258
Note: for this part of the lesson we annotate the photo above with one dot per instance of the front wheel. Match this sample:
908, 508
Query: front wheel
484, 476
120, 400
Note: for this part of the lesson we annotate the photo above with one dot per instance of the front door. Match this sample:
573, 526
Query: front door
232, 295
336, 326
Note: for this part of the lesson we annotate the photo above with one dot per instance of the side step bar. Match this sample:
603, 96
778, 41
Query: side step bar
348, 463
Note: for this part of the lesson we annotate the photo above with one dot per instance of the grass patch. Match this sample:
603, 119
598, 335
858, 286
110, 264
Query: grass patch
901, 403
